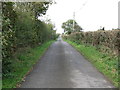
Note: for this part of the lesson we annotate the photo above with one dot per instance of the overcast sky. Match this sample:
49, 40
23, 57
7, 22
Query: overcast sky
89, 14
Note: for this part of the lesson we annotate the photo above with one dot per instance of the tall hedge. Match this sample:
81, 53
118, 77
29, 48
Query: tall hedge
105, 41
21, 28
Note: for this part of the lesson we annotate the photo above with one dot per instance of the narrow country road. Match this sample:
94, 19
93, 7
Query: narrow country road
63, 67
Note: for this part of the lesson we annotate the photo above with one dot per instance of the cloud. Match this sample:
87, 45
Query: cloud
90, 14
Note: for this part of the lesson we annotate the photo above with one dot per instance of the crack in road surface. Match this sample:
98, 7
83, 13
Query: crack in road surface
63, 67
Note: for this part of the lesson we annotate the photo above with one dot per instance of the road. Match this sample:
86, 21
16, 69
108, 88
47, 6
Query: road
63, 67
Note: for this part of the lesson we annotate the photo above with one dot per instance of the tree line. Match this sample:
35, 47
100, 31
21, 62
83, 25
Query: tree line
21, 28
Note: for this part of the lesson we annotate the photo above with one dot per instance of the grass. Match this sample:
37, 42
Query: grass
23, 63
0, 83
106, 64
0, 74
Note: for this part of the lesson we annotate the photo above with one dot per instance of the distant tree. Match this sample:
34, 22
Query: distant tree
69, 27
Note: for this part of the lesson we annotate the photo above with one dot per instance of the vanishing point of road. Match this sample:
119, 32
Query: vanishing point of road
64, 67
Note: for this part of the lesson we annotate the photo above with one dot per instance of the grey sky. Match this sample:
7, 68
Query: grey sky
90, 14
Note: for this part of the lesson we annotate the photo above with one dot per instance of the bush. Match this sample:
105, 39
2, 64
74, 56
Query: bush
104, 41
21, 28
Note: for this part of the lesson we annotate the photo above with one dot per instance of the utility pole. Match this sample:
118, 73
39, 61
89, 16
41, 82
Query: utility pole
76, 12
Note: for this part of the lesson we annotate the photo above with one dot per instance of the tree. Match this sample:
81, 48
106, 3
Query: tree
40, 8
9, 17
69, 27
21, 28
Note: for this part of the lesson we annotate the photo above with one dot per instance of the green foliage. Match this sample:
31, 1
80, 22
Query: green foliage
102, 48
23, 62
40, 8
104, 41
7, 34
21, 28
71, 26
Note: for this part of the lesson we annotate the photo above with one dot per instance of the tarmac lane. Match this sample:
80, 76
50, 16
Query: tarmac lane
64, 67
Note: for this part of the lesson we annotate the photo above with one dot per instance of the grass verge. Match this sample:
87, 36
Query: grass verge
23, 63
106, 64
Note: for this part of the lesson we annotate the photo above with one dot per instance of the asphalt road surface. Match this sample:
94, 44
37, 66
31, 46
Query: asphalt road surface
63, 67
